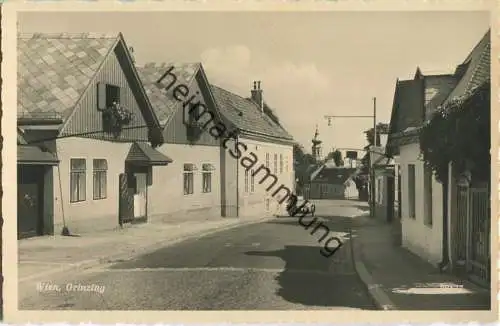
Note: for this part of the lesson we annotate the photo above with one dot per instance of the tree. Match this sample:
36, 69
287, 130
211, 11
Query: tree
337, 158
301, 163
382, 129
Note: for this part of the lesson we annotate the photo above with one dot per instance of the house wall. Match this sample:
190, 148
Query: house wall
351, 192
230, 167
253, 204
380, 194
166, 195
321, 190
423, 240
88, 215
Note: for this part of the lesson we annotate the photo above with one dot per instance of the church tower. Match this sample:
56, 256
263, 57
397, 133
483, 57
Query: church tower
316, 147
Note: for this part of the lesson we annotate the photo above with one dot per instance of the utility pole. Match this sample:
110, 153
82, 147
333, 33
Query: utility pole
372, 164
374, 117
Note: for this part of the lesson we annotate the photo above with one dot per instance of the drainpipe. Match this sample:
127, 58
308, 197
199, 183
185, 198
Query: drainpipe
65, 231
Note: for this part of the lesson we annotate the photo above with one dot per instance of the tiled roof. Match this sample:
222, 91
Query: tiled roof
477, 68
28, 154
55, 69
335, 175
246, 115
164, 104
142, 153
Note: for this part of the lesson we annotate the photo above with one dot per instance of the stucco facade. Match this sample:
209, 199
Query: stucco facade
419, 236
260, 201
88, 214
166, 195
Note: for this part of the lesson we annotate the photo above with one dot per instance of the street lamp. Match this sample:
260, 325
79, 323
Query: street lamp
372, 172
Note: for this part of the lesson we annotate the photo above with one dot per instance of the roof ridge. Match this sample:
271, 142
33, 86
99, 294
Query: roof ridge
241, 97
164, 64
63, 35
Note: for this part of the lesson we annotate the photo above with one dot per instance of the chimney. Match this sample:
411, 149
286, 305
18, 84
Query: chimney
257, 95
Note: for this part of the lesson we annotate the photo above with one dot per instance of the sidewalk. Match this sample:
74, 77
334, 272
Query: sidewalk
42, 256
400, 280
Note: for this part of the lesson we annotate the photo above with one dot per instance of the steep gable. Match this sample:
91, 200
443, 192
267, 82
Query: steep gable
161, 80
58, 76
54, 70
164, 104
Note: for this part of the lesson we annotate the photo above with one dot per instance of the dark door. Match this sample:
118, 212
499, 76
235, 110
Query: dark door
390, 198
126, 200
29, 201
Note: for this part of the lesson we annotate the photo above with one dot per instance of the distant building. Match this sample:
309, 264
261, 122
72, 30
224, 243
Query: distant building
331, 182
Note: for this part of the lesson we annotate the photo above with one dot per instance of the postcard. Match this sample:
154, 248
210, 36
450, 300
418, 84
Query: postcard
249, 162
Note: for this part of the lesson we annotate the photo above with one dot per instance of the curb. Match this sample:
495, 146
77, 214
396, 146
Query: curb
379, 297
86, 264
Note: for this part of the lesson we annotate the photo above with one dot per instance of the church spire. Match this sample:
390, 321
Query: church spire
316, 147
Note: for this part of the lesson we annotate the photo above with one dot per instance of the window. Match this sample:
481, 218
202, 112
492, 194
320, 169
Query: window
100, 175
252, 181
77, 181
207, 177
267, 204
189, 178
246, 180
267, 160
275, 166
281, 163
428, 195
286, 163
411, 190
106, 95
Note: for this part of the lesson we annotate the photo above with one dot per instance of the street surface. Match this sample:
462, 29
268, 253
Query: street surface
273, 265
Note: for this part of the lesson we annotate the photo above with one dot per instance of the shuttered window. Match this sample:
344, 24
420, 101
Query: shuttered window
107, 94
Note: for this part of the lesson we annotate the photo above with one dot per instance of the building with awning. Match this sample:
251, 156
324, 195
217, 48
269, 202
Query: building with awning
86, 134
35, 194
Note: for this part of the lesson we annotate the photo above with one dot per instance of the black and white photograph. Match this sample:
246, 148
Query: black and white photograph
251, 161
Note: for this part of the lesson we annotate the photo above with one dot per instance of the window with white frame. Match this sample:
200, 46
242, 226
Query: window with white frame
267, 160
252, 181
428, 195
281, 163
206, 175
246, 180
100, 174
78, 174
411, 190
275, 164
189, 178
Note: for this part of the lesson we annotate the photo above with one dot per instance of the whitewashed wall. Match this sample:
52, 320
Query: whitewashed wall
423, 240
255, 203
166, 195
88, 215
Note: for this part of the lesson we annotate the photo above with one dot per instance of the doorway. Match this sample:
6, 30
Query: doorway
29, 201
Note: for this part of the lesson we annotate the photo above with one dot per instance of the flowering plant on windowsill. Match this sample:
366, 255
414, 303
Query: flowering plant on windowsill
116, 116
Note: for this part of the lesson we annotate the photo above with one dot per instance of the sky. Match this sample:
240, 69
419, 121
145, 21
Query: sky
311, 64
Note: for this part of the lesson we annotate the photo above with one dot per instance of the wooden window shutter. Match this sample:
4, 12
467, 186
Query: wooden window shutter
101, 96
